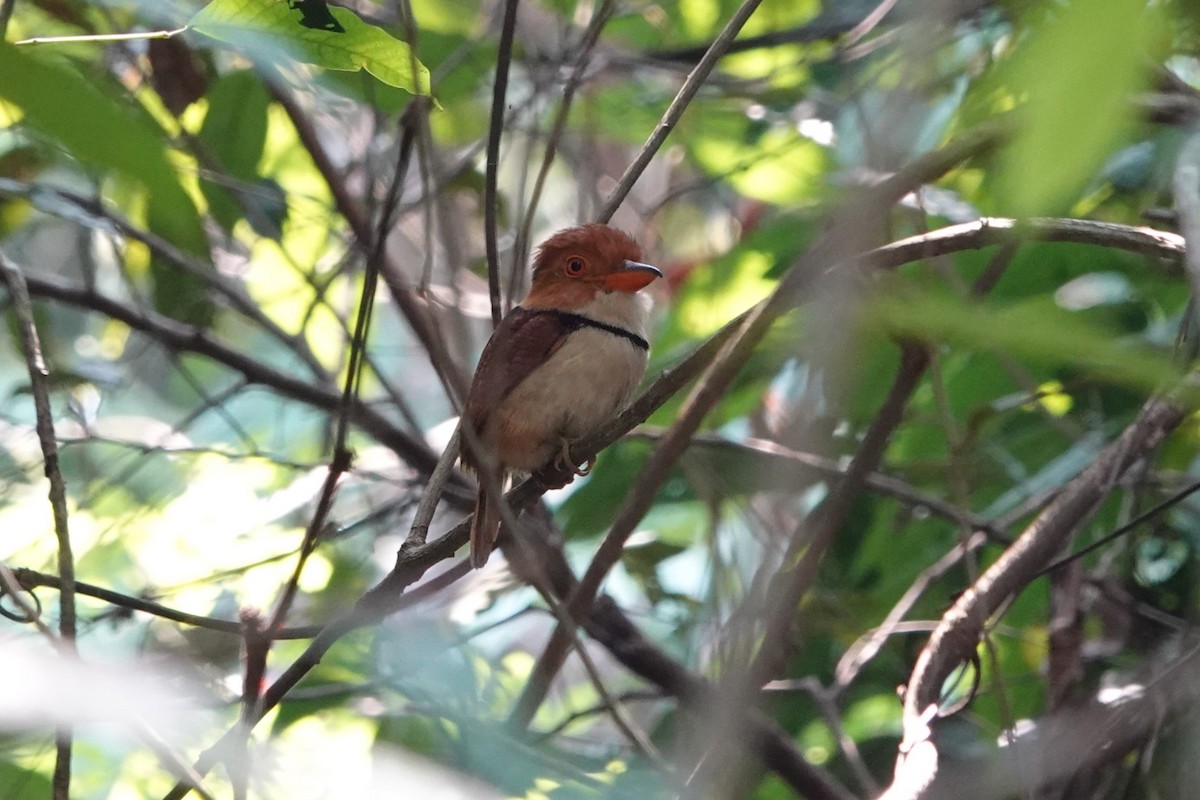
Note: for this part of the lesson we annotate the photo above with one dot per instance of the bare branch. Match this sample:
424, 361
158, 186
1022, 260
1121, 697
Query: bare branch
670, 117
178, 336
499, 90
39, 381
958, 633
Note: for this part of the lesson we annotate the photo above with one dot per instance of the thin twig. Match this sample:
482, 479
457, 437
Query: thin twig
177, 336
691, 85
868, 23
419, 530
39, 382
104, 37
1140, 519
495, 128
586, 42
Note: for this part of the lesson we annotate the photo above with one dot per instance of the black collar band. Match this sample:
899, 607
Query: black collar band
576, 321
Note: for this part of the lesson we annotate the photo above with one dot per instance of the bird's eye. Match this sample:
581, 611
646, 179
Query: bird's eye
574, 266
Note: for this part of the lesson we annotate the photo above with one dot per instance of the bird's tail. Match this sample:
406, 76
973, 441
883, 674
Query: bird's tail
485, 527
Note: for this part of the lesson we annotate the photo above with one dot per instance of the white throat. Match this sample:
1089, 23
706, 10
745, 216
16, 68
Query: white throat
622, 309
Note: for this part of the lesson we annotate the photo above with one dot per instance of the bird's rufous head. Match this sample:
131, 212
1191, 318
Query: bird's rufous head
575, 264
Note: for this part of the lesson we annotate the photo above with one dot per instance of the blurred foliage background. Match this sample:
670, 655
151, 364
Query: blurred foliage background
195, 217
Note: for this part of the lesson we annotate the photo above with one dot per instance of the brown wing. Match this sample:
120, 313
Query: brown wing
522, 342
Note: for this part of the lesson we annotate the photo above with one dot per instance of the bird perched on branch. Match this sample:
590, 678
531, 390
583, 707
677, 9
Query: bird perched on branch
558, 365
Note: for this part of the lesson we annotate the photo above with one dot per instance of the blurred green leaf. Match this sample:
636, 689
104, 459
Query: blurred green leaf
1075, 72
315, 33
1036, 329
233, 133
23, 784
123, 138
772, 163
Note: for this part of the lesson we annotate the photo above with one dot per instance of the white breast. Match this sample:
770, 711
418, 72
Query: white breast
585, 383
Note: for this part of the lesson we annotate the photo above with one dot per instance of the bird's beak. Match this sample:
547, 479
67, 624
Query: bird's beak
632, 277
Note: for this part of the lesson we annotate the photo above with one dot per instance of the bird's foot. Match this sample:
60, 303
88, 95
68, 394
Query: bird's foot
561, 471
564, 463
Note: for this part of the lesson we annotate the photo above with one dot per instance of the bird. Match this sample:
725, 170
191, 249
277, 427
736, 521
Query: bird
564, 360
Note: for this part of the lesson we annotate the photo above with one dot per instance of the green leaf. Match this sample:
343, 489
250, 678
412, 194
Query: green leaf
1036, 329
1076, 72
54, 100
21, 783
775, 164
233, 133
119, 138
311, 32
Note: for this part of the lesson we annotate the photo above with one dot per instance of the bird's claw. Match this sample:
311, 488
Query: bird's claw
561, 471
563, 462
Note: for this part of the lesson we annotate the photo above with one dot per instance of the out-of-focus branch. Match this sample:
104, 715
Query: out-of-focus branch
178, 336
957, 635
1081, 739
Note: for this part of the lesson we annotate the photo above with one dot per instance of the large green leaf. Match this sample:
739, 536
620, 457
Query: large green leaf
54, 100
116, 138
1075, 73
312, 32
22, 784
1037, 330
233, 133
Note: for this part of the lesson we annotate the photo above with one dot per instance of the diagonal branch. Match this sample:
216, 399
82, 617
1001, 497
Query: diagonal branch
958, 633
670, 117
